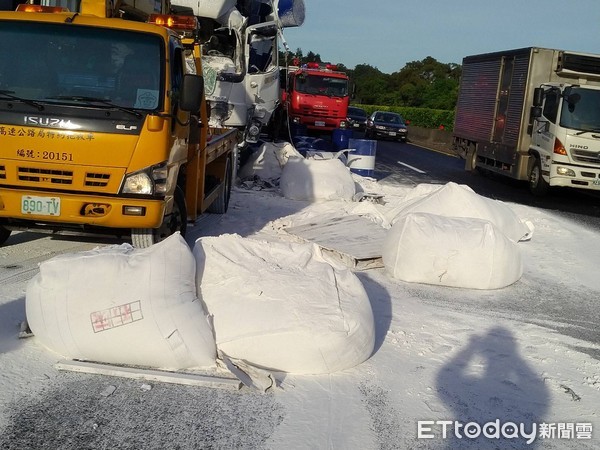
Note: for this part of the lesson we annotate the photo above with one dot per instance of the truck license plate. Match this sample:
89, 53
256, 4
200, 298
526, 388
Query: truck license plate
41, 206
392, 133
319, 123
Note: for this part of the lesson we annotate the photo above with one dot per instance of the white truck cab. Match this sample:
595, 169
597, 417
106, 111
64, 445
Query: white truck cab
566, 137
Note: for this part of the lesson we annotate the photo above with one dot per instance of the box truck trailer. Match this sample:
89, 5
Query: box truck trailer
531, 114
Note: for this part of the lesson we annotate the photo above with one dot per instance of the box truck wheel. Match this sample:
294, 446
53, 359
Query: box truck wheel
176, 221
4, 234
221, 203
471, 158
537, 185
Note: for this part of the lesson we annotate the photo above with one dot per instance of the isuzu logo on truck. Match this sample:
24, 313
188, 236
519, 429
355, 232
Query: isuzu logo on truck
52, 122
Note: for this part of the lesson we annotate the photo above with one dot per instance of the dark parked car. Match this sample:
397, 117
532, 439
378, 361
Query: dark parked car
383, 124
357, 118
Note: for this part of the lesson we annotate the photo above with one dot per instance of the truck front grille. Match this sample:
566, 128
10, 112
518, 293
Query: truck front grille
586, 156
45, 175
96, 179
52, 176
317, 112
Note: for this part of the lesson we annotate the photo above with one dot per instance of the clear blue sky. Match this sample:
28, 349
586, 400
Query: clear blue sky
389, 33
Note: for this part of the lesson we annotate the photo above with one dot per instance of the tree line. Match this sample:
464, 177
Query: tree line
420, 84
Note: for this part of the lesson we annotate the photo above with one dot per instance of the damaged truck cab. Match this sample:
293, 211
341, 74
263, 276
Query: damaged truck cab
241, 60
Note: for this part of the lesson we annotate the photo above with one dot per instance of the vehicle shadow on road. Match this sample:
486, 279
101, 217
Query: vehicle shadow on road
21, 237
489, 382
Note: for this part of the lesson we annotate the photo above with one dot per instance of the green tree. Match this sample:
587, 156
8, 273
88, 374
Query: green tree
371, 84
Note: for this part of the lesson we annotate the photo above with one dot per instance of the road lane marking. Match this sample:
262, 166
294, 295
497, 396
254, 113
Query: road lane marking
411, 167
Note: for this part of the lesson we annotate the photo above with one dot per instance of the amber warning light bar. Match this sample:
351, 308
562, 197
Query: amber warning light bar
24, 7
177, 23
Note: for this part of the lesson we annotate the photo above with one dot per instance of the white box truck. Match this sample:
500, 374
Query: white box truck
531, 114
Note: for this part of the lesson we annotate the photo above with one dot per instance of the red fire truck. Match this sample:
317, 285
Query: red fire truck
316, 97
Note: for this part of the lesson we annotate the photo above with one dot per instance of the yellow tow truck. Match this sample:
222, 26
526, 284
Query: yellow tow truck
103, 124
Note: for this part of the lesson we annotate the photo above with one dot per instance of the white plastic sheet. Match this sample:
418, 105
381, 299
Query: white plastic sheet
122, 305
451, 251
282, 307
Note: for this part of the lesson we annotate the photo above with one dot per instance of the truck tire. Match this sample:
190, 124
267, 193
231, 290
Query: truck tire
221, 203
537, 185
4, 234
176, 221
471, 158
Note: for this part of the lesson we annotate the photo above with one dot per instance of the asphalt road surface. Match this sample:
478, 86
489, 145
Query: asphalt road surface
572, 312
408, 163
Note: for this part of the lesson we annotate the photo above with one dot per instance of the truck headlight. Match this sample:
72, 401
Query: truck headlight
138, 183
150, 181
379, 127
565, 171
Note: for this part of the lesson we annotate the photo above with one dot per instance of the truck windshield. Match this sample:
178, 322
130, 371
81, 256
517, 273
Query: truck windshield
55, 63
322, 85
581, 109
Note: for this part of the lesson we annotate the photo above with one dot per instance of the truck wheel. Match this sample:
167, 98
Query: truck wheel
221, 203
471, 159
176, 221
537, 185
4, 234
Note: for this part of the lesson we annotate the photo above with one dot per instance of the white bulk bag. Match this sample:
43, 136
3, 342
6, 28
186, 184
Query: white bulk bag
456, 200
122, 305
280, 306
451, 251
316, 180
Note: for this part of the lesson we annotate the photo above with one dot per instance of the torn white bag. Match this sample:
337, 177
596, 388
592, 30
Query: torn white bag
282, 307
121, 305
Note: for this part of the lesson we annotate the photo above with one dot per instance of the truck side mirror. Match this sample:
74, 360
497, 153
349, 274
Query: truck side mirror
538, 96
192, 91
536, 112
